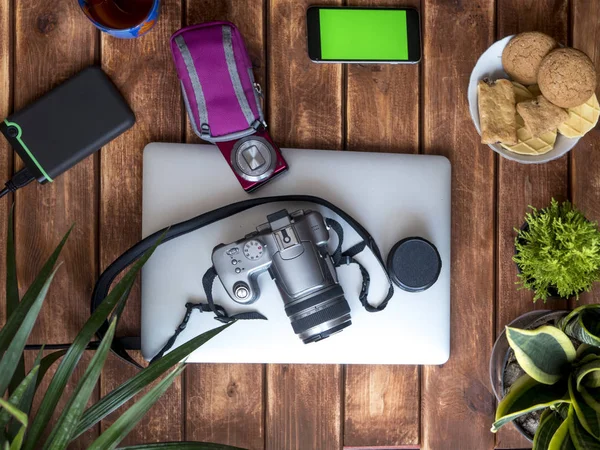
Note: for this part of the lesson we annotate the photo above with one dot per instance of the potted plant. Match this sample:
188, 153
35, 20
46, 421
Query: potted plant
22, 429
560, 381
557, 252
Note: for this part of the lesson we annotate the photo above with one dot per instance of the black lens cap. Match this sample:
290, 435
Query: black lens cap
414, 264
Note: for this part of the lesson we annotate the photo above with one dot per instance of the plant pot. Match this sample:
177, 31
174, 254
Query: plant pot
504, 369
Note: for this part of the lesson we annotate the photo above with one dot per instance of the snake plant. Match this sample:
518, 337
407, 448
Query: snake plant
558, 250
560, 379
20, 427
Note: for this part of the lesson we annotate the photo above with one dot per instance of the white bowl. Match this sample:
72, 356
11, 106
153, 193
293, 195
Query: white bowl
490, 65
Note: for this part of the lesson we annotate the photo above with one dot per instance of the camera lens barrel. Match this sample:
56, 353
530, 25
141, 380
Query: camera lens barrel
319, 316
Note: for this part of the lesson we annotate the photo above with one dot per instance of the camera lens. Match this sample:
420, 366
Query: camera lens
320, 315
12, 131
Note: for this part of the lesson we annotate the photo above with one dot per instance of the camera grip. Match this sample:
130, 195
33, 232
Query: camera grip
239, 265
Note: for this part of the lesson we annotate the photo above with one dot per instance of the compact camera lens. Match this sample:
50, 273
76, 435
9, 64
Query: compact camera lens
12, 131
317, 317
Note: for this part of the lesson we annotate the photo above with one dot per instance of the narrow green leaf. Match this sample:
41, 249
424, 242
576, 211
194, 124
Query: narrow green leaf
549, 423
12, 284
544, 353
181, 446
129, 419
587, 416
581, 439
65, 426
17, 395
8, 363
14, 411
527, 395
588, 374
47, 362
10, 328
133, 386
12, 294
18, 440
561, 439
75, 351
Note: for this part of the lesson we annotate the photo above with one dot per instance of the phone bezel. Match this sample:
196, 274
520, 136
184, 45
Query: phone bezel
413, 29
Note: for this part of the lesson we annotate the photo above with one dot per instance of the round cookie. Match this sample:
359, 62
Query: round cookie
523, 54
567, 77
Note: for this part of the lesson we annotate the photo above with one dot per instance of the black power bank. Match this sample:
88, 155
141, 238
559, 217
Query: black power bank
68, 123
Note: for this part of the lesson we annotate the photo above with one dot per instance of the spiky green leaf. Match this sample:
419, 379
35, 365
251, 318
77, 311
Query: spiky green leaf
10, 328
544, 354
527, 395
18, 440
133, 386
67, 422
73, 355
549, 423
129, 419
14, 411
17, 395
10, 359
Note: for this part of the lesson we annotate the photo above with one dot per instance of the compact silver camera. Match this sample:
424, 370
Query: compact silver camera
293, 248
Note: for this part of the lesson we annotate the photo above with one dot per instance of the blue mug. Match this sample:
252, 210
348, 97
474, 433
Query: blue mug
138, 29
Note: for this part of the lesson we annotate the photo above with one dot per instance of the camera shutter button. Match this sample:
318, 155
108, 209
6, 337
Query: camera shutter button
241, 291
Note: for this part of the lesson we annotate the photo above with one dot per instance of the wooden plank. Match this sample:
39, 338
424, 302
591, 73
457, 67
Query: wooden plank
457, 404
143, 70
382, 114
305, 105
585, 175
52, 44
521, 185
6, 161
224, 402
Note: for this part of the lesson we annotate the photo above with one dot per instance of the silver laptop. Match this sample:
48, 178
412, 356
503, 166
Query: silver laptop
392, 196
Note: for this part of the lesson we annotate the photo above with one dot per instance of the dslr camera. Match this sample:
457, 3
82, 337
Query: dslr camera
293, 249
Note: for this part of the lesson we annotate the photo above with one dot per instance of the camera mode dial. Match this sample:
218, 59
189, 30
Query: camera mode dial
253, 250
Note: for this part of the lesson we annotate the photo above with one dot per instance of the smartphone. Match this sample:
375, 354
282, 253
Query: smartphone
363, 35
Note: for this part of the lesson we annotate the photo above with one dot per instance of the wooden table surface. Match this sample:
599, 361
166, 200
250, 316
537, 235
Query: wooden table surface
382, 108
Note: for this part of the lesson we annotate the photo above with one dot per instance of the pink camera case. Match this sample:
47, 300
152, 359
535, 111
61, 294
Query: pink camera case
222, 99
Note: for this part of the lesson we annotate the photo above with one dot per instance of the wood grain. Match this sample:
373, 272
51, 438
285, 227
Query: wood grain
457, 403
521, 185
585, 175
305, 110
6, 160
53, 42
382, 114
143, 70
224, 402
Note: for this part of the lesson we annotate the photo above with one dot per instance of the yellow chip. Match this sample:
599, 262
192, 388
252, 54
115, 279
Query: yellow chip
521, 92
531, 145
581, 119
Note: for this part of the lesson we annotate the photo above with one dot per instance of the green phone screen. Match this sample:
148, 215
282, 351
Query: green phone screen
363, 34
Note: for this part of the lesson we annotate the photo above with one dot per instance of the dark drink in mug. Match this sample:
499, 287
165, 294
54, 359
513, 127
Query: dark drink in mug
122, 18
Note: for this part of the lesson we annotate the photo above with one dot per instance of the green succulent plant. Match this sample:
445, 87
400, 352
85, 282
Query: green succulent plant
558, 249
20, 428
559, 379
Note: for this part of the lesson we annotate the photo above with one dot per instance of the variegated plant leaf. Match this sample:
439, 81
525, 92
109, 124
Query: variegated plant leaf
544, 354
588, 374
527, 395
581, 438
562, 439
588, 417
592, 397
583, 324
549, 423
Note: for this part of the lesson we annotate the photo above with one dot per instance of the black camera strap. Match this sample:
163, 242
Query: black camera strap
121, 345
